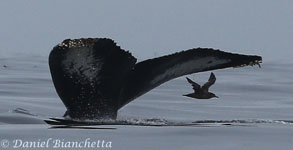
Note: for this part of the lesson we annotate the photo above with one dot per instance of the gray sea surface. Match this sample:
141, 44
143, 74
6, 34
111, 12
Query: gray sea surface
254, 111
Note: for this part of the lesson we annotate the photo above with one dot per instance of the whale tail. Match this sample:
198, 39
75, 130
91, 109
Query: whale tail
95, 78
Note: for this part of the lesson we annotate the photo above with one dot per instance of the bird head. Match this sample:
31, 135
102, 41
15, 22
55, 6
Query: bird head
214, 95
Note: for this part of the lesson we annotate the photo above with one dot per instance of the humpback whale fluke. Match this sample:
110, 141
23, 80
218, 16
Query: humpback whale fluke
202, 92
95, 78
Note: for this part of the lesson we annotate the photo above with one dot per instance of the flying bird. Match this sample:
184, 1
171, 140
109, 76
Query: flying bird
95, 78
202, 92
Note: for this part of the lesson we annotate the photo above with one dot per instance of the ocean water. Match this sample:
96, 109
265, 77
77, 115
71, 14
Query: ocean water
254, 111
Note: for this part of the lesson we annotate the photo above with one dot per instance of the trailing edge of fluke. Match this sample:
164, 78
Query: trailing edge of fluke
95, 78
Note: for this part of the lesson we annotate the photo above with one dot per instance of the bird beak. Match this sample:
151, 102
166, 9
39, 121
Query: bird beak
216, 97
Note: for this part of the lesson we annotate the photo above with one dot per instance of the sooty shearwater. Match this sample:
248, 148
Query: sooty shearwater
202, 92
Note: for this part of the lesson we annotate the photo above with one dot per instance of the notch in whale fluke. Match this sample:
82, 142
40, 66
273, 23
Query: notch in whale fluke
95, 78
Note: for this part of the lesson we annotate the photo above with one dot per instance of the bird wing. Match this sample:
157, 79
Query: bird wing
211, 81
194, 85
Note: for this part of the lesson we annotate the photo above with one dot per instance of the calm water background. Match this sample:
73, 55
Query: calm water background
259, 99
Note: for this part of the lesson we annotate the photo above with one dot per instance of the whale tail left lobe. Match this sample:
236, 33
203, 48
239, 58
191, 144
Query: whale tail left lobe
88, 75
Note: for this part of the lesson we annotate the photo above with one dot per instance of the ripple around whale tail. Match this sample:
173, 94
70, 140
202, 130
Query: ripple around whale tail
95, 78
162, 122
22, 116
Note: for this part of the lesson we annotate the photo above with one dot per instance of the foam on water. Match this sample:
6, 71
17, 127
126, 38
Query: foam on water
22, 116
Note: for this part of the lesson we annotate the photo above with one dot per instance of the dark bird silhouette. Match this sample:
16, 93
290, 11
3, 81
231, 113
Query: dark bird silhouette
202, 92
95, 78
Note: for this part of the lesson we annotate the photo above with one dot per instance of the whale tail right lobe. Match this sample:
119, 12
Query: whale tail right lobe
151, 73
